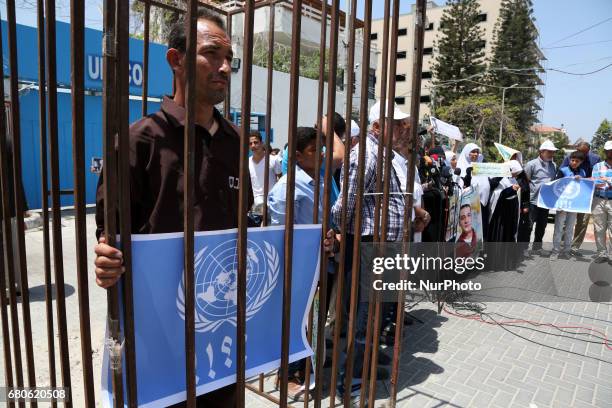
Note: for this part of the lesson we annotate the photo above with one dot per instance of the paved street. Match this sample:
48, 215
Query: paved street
447, 360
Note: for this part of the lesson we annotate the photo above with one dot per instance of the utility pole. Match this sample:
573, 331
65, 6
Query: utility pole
501, 119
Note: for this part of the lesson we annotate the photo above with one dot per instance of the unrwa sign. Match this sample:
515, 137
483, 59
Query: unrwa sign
95, 70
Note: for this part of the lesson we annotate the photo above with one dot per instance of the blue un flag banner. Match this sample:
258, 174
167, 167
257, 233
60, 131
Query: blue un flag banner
159, 308
567, 194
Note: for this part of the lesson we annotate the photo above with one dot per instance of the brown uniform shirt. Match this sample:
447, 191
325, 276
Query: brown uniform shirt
156, 184
156, 174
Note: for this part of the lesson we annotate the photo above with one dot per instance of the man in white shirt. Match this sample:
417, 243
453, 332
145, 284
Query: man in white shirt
258, 171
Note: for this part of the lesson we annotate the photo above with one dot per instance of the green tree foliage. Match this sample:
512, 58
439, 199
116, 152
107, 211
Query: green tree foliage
460, 52
478, 119
601, 136
515, 60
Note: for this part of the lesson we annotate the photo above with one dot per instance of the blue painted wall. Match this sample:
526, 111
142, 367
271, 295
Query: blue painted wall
160, 83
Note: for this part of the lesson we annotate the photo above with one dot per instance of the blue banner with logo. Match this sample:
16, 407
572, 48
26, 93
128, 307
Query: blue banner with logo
159, 308
567, 194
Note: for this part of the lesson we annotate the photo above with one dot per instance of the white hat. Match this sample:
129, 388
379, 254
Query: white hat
354, 129
608, 145
375, 113
548, 145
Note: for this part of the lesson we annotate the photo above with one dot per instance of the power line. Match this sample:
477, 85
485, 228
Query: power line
580, 73
581, 31
576, 45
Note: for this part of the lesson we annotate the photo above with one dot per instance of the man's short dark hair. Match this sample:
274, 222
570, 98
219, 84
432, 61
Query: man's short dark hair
177, 36
339, 125
255, 133
305, 137
578, 155
583, 144
465, 206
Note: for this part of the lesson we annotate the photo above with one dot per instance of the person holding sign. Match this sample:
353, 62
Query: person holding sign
565, 221
602, 206
471, 154
539, 171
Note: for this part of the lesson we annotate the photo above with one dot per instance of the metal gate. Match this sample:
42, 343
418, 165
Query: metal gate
17, 339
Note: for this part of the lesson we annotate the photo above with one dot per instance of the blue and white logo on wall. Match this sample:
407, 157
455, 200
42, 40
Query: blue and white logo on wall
216, 283
567, 194
159, 308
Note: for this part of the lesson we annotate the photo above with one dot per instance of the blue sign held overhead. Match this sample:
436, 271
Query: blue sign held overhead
567, 194
159, 308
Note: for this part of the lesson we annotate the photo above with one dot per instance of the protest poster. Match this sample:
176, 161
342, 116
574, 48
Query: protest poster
567, 194
491, 169
446, 129
159, 308
507, 152
468, 234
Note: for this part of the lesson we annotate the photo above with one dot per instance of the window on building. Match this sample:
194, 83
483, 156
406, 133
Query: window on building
425, 98
402, 31
372, 83
428, 51
482, 17
426, 74
400, 78
400, 100
481, 44
374, 36
429, 27
401, 55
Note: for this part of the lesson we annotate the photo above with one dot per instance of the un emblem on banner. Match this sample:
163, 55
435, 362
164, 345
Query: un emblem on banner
216, 284
567, 188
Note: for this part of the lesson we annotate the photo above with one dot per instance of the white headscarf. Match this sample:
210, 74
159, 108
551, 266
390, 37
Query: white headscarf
448, 154
481, 182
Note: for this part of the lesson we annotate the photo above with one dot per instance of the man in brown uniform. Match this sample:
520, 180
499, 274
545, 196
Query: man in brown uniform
156, 160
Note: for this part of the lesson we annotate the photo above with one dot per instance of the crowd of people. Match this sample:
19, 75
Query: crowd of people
156, 182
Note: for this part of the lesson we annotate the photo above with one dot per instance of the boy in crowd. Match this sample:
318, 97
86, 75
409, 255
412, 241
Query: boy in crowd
565, 221
258, 171
306, 158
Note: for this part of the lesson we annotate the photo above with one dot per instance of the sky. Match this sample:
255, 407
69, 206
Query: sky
578, 102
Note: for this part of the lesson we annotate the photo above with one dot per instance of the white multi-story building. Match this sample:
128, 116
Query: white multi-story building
489, 13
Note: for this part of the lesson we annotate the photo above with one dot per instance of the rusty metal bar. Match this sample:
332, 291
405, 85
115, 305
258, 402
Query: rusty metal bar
145, 56
243, 200
270, 63
363, 123
125, 221
345, 180
256, 5
18, 199
317, 181
77, 33
42, 118
227, 104
419, 35
265, 395
191, 22
330, 137
114, 341
379, 168
387, 184
294, 87
6, 252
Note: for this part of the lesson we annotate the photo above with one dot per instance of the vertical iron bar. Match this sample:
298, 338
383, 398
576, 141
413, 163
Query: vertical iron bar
188, 198
269, 84
245, 122
363, 124
377, 235
18, 199
419, 35
317, 181
227, 104
42, 118
110, 192
122, 48
350, 25
6, 263
145, 57
330, 138
294, 87
387, 184
77, 34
